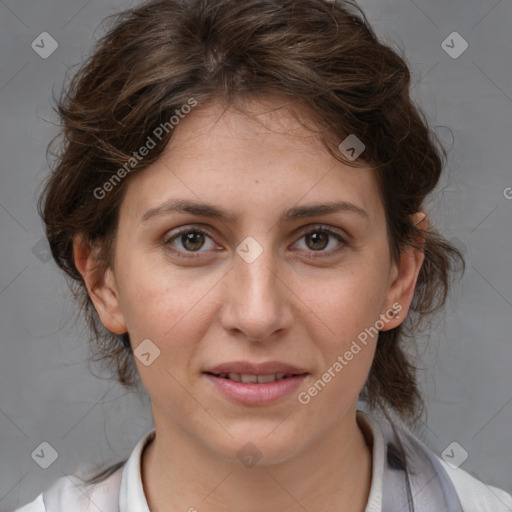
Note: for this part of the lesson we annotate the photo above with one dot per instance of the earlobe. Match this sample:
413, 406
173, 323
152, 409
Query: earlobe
100, 284
402, 288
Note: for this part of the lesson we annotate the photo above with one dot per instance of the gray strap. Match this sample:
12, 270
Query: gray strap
431, 488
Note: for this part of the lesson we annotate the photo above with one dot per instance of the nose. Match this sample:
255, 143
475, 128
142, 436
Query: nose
256, 301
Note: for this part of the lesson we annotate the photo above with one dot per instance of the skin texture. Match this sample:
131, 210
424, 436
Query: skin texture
285, 306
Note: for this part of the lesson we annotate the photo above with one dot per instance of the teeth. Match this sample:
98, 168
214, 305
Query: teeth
249, 378
266, 378
246, 378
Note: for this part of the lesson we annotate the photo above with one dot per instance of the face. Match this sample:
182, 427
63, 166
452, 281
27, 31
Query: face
263, 284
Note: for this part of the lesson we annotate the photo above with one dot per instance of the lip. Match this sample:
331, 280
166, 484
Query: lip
255, 393
249, 368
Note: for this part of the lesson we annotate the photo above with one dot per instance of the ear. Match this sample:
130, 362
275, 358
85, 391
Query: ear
404, 276
101, 285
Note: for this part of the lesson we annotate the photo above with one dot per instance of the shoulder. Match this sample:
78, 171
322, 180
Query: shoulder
34, 506
71, 493
474, 495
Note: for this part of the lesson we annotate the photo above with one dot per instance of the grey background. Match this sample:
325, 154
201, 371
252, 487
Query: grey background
47, 391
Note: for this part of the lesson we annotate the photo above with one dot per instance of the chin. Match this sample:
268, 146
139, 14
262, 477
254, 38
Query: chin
262, 449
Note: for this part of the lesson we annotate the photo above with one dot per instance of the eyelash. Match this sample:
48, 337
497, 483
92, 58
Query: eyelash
196, 254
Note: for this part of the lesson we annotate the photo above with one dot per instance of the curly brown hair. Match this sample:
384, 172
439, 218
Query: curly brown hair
156, 57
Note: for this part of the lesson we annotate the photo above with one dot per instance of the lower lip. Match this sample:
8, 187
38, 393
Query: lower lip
256, 394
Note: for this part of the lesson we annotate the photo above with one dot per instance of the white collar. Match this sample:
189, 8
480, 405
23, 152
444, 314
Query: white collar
375, 439
133, 499
131, 494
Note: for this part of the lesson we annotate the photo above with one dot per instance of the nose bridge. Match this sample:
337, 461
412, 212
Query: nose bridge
255, 300
255, 268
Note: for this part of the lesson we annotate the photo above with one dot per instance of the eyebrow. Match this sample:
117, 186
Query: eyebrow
214, 212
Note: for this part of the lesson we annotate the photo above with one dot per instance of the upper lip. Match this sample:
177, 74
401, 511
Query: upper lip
248, 368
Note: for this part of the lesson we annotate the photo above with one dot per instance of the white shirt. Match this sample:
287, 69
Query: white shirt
123, 492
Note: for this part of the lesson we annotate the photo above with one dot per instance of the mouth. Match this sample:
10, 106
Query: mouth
250, 370
248, 378
255, 384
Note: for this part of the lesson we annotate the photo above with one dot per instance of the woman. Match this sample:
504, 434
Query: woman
239, 203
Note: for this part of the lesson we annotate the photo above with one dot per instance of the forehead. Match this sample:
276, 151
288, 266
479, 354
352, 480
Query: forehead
262, 159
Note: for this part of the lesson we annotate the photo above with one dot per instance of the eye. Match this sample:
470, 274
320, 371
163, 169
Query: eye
189, 240
319, 238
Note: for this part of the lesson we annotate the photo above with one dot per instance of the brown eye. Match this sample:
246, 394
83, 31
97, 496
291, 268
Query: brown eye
324, 241
317, 240
190, 240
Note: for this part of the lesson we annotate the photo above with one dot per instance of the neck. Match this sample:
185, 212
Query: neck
332, 474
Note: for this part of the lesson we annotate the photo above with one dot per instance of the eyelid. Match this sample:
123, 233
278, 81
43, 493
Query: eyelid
190, 228
321, 227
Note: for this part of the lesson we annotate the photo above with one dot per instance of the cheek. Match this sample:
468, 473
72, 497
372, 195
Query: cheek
348, 349
170, 310
347, 302
159, 301
346, 337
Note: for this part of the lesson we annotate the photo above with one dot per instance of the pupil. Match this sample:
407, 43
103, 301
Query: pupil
315, 237
193, 239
